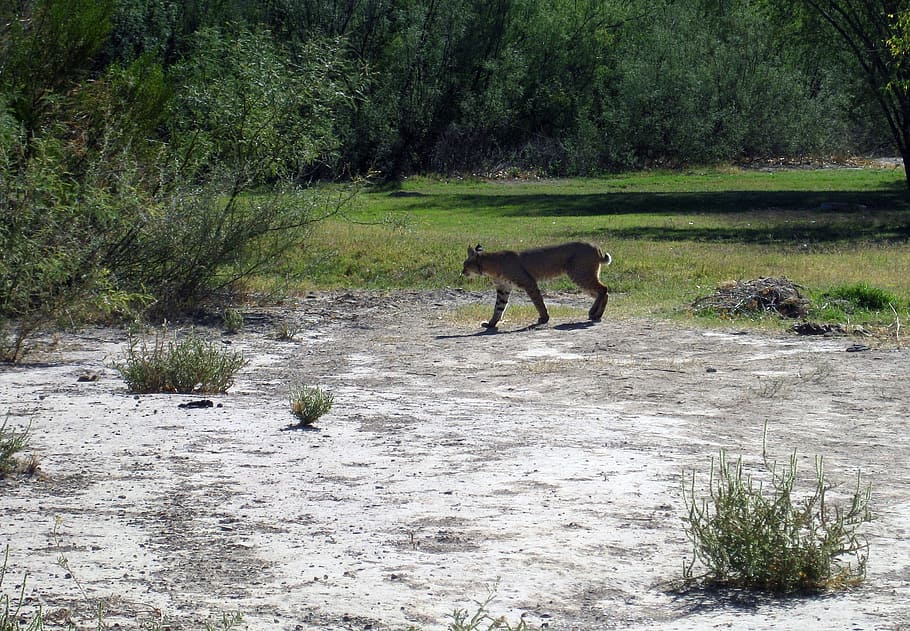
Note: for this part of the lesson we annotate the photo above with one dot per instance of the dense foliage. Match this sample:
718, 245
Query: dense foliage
567, 87
130, 130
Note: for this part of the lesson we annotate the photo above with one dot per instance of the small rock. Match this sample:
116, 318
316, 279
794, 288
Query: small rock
201, 403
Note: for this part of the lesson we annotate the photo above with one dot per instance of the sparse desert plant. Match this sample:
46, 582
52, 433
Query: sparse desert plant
770, 388
286, 330
233, 320
166, 364
11, 443
462, 620
11, 608
309, 403
480, 620
748, 536
227, 622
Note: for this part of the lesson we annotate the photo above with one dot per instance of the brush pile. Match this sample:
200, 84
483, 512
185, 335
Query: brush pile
755, 297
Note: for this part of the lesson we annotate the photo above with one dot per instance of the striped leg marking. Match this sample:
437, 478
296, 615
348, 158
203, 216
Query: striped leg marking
502, 301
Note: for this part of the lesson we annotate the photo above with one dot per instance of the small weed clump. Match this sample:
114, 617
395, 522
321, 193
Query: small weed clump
11, 609
233, 320
286, 331
480, 620
308, 403
191, 365
748, 538
11, 443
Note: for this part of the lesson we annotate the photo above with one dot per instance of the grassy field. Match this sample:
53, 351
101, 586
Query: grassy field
674, 236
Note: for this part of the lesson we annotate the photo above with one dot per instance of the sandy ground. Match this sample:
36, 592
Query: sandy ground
542, 465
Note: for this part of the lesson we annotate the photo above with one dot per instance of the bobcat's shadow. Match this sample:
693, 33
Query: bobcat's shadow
480, 333
574, 326
567, 326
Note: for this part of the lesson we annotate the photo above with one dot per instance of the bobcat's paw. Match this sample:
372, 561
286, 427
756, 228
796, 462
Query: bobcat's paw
543, 320
488, 325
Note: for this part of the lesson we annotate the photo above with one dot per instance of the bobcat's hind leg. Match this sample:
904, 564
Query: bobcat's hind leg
502, 301
534, 294
600, 303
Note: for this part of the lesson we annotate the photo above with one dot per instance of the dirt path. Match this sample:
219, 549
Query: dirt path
543, 465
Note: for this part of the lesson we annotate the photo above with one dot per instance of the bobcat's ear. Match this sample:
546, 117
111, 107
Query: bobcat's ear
478, 249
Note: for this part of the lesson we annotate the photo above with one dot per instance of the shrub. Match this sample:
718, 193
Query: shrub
130, 188
185, 366
233, 320
308, 403
54, 233
751, 538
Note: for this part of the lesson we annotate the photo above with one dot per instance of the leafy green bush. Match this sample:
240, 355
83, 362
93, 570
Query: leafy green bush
128, 188
309, 403
182, 366
750, 537
54, 235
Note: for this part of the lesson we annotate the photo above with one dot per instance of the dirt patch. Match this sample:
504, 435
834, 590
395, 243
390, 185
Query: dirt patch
542, 464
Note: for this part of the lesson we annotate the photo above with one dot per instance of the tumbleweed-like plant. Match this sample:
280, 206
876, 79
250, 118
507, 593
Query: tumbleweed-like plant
309, 403
749, 535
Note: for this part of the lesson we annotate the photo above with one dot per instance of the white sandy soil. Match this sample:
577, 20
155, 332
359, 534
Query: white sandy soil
541, 465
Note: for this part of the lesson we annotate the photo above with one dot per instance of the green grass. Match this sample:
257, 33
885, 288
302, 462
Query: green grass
674, 236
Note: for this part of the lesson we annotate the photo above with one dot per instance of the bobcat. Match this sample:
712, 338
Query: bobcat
579, 261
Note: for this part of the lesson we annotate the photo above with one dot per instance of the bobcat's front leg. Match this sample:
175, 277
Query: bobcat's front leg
502, 301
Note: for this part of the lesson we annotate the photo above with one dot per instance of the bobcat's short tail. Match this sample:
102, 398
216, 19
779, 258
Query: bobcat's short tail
607, 258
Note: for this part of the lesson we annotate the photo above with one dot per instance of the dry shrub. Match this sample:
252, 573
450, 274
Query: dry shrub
750, 297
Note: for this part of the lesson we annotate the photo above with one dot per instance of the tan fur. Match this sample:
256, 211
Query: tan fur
579, 261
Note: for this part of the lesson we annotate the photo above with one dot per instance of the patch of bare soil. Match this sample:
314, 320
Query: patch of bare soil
542, 464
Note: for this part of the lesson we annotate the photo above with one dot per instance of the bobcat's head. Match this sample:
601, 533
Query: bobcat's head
471, 265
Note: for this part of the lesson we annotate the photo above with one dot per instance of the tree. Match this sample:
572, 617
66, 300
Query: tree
45, 47
876, 35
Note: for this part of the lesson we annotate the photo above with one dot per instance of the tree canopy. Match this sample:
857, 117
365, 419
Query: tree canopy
563, 87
